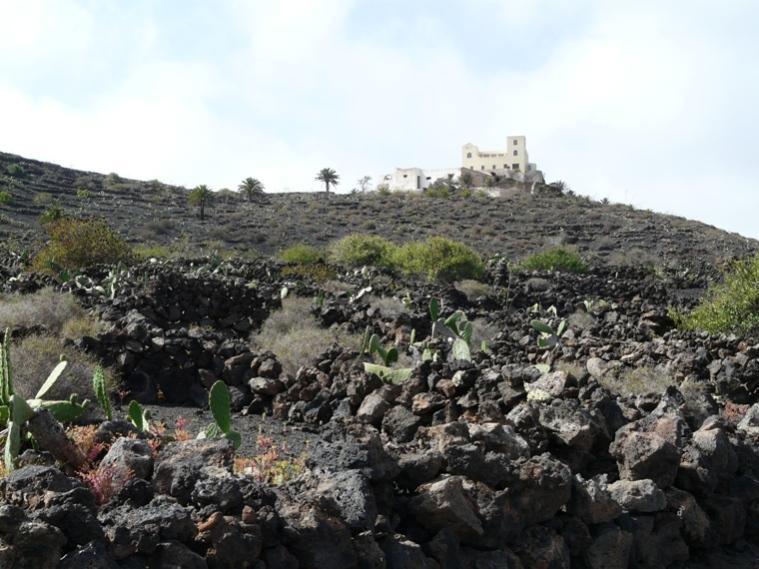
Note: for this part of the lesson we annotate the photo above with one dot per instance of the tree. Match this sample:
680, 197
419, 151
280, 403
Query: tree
364, 182
201, 196
329, 177
251, 187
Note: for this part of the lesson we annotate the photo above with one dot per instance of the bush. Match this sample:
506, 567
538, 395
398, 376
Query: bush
34, 357
5, 198
439, 258
731, 306
357, 249
51, 214
294, 335
15, 170
83, 194
55, 311
79, 243
301, 254
437, 190
317, 272
555, 259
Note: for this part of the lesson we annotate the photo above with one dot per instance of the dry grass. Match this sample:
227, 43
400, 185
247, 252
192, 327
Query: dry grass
637, 381
34, 357
388, 306
294, 335
483, 331
474, 289
55, 311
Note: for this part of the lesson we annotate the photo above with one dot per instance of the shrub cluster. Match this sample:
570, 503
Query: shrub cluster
79, 243
301, 254
730, 306
5, 197
358, 249
555, 259
437, 258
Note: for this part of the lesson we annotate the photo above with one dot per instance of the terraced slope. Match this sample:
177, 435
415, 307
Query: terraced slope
515, 225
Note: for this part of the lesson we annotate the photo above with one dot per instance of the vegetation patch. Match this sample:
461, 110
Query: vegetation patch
554, 259
731, 306
301, 254
34, 356
439, 258
296, 338
5, 198
359, 249
79, 243
57, 312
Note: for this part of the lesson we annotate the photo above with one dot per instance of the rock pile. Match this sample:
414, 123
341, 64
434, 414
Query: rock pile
524, 457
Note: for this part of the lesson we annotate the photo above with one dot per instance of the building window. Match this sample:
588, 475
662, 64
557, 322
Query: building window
494, 167
515, 166
516, 143
482, 167
405, 175
468, 154
429, 177
516, 153
505, 166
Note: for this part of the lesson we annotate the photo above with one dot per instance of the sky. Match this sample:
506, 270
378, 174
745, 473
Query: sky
653, 103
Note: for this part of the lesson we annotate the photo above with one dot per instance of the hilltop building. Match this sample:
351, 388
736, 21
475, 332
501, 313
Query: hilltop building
510, 164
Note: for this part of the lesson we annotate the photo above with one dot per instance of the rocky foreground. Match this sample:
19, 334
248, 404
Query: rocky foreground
618, 443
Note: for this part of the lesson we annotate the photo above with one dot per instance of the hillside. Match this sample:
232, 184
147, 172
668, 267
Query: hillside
152, 212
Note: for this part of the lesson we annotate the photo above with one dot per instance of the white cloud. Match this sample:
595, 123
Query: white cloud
643, 103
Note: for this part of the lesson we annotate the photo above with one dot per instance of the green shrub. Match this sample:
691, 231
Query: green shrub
15, 170
438, 190
317, 272
146, 251
79, 243
5, 198
358, 249
50, 215
555, 259
83, 194
301, 254
438, 258
729, 306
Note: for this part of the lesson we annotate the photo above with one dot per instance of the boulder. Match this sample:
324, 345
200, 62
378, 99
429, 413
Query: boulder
591, 500
610, 549
640, 496
140, 530
643, 455
315, 538
349, 494
400, 424
181, 464
445, 504
128, 458
372, 409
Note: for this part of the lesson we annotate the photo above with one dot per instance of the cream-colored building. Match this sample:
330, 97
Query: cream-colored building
514, 159
481, 166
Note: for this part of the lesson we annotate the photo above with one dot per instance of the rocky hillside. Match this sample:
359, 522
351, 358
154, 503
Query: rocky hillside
610, 441
516, 225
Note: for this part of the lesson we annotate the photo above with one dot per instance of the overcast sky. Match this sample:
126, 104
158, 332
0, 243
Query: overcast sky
654, 103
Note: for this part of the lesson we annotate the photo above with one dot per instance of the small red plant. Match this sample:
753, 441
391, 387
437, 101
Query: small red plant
180, 429
105, 481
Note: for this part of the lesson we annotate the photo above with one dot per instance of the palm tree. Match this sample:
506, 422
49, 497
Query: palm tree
251, 187
201, 196
329, 177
